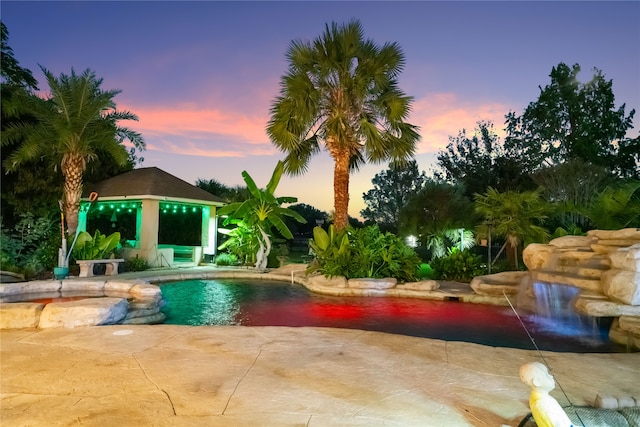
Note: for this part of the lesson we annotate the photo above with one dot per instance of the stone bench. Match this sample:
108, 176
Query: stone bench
86, 266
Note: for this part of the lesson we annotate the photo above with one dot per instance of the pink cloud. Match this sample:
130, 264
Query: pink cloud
202, 132
212, 132
443, 114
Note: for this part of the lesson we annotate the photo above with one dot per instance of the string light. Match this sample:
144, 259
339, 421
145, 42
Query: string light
131, 207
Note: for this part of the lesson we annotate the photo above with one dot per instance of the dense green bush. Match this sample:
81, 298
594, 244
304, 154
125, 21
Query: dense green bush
461, 266
31, 247
365, 252
332, 251
225, 258
240, 241
136, 264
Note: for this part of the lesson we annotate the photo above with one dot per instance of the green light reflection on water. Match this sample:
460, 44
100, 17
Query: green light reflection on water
202, 302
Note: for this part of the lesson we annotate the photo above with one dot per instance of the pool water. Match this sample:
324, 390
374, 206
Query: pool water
267, 303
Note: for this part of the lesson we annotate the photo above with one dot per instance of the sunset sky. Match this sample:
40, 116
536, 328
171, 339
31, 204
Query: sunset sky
201, 76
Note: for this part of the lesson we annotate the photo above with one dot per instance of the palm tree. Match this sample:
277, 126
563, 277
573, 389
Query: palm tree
513, 215
341, 91
75, 125
263, 211
615, 207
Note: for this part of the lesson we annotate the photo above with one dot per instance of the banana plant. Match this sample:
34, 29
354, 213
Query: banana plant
329, 243
97, 246
332, 250
261, 212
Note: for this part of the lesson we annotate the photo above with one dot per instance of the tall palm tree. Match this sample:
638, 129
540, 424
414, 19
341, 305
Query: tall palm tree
262, 211
514, 216
341, 91
75, 125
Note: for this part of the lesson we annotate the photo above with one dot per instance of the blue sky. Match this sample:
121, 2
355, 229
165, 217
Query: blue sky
201, 75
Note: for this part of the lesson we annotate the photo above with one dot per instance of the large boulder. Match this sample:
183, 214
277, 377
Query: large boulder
20, 315
35, 286
573, 241
146, 291
118, 285
82, 285
322, 281
622, 286
84, 312
602, 307
623, 234
506, 282
364, 283
536, 255
626, 258
625, 337
422, 285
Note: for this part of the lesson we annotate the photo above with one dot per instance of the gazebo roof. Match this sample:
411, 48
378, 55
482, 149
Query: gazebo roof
150, 183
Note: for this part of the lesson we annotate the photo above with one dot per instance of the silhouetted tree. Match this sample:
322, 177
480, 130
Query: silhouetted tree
480, 161
238, 193
313, 216
392, 189
572, 120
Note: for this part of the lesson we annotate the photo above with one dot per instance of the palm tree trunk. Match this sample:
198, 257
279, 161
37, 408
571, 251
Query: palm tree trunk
340, 187
73, 166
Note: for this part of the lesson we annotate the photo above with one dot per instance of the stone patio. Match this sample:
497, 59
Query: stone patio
165, 375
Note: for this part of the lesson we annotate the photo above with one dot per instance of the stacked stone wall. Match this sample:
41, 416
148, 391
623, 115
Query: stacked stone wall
605, 265
107, 303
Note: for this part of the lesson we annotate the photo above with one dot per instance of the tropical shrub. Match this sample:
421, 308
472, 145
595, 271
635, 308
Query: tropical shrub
47, 253
240, 241
97, 247
332, 251
24, 249
365, 252
461, 266
136, 264
225, 258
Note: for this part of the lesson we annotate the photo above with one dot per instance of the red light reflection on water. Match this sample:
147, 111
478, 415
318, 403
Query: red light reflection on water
387, 313
233, 303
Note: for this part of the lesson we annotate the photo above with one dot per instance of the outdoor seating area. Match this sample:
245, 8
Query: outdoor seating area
111, 266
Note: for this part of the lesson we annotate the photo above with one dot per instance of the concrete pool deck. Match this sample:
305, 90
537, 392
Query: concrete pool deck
166, 375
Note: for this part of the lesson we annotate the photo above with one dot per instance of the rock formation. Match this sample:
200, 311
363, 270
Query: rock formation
605, 266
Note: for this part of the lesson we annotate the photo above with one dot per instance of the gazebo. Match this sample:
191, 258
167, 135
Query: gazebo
157, 214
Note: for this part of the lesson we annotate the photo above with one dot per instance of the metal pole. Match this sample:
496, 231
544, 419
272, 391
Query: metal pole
489, 249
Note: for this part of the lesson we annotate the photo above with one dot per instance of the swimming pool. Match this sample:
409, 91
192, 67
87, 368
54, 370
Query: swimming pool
266, 303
